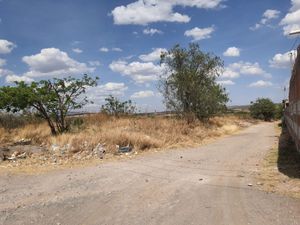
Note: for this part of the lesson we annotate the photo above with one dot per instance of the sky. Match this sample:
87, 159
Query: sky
121, 41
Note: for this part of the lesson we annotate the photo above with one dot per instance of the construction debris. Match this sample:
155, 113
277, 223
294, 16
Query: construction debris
125, 149
23, 141
99, 150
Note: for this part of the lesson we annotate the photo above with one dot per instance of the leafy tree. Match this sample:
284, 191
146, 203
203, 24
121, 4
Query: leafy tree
115, 107
279, 111
51, 99
189, 84
263, 109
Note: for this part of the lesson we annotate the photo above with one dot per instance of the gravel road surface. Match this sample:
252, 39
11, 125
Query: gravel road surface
210, 185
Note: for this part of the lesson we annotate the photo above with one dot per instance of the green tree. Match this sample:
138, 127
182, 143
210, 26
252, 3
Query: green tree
263, 109
279, 111
189, 84
115, 107
51, 99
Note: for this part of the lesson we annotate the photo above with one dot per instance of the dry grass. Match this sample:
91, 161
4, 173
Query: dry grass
142, 133
281, 167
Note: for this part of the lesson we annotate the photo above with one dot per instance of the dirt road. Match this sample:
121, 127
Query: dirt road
207, 186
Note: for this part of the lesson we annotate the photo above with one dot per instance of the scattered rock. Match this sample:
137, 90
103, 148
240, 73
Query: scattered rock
201, 179
250, 185
99, 150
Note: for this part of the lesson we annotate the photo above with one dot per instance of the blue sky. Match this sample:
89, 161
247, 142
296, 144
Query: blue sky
120, 42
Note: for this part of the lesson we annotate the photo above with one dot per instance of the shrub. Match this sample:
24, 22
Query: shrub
263, 109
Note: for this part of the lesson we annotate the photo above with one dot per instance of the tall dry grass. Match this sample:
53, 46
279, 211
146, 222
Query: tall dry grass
139, 132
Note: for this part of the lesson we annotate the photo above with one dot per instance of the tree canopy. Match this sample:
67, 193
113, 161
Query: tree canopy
116, 107
263, 108
189, 84
51, 99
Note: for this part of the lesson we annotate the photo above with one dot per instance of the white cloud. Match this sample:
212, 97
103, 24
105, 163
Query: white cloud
100, 92
261, 84
283, 60
230, 73
14, 78
143, 94
153, 56
270, 14
232, 52
225, 82
139, 72
291, 21
52, 62
2, 62
267, 16
234, 70
116, 49
143, 12
3, 71
6, 46
152, 31
77, 50
103, 49
200, 33
94, 63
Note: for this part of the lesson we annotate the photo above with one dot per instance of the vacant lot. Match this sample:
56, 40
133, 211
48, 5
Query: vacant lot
140, 133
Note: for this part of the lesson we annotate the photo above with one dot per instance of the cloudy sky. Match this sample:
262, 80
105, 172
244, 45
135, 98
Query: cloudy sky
120, 41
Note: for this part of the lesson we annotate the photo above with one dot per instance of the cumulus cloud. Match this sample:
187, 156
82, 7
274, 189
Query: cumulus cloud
200, 33
232, 52
6, 46
283, 60
152, 31
268, 15
153, 56
100, 92
14, 78
77, 50
230, 73
143, 94
234, 70
225, 82
143, 12
291, 21
138, 71
52, 62
3, 71
261, 84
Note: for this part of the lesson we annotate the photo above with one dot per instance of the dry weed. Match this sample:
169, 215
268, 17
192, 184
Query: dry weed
142, 133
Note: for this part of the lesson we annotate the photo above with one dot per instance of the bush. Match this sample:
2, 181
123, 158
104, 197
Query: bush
263, 109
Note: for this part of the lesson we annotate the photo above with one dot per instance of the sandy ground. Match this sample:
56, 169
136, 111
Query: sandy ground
210, 185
